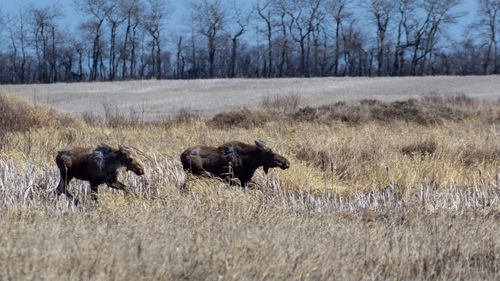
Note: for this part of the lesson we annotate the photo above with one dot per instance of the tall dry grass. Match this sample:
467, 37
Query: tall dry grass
377, 195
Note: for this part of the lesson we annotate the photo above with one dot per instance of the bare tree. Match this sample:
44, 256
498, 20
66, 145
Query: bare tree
53, 54
382, 12
440, 13
67, 55
357, 61
44, 36
12, 28
156, 14
98, 11
283, 64
80, 49
465, 56
338, 10
415, 29
488, 17
405, 9
18, 28
142, 59
114, 18
126, 39
210, 18
264, 11
317, 62
193, 72
303, 15
132, 12
180, 60
236, 28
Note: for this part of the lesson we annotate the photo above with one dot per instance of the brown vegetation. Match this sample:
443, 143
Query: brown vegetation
420, 112
431, 110
243, 118
422, 148
281, 103
19, 115
112, 117
385, 197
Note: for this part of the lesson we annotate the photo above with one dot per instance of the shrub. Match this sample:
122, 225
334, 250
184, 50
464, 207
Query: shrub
478, 155
243, 118
185, 115
113, 117
19, 115
281, 103
422, 148
424, 113
92, 119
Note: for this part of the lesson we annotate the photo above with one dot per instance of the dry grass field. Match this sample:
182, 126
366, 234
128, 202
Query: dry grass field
377, 190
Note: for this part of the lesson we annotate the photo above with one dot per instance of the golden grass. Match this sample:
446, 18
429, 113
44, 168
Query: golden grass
368, 200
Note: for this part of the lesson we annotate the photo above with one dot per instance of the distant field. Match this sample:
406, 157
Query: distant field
154, 100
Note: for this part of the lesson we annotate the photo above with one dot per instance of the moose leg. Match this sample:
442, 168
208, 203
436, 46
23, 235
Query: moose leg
63, 164
63, 183
244, 179
118, 185
61, 187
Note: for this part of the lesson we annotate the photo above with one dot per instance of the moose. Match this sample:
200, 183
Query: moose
234, 159
96, 165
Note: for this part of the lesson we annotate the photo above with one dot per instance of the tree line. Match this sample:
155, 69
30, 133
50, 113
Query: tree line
135, 39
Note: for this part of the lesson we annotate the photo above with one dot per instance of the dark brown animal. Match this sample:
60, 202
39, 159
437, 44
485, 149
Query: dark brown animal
232, 160
96, 165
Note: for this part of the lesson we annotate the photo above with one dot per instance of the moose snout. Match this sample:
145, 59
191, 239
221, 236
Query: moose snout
283, 164
138, 170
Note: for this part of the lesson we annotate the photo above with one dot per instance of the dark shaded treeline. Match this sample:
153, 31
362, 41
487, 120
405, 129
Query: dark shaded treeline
135, 39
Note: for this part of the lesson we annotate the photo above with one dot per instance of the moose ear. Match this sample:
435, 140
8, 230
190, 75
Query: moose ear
262, 145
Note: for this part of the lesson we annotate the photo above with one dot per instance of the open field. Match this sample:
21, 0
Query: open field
376, 191
155, 100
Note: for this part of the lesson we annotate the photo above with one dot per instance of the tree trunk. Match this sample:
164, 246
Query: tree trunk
133, 59
233, 57
178, 74
80, 66
112, 66
269, 51
53, 56
337, 49
158, 56
398, 49
211, 56
284, 48
125, 50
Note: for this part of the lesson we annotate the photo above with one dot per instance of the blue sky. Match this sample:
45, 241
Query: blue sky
181, 13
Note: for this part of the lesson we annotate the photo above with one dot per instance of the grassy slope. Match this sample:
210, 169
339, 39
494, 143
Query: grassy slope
370, 199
